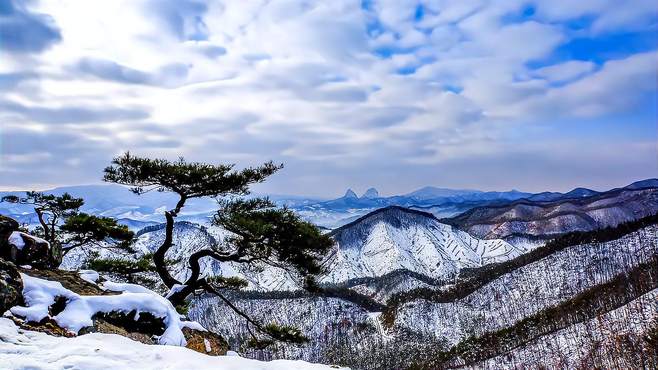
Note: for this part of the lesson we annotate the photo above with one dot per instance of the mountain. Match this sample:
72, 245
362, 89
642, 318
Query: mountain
643, 184
395, 238
135, 211
579, 210
579, 292
350, 194
431, 192
371, 193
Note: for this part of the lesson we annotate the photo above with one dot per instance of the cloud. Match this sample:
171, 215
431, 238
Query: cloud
339, 90
168, 75
565, 72
71, 114
23, 31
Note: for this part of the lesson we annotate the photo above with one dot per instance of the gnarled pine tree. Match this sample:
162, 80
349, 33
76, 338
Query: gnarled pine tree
66, 228
260, 232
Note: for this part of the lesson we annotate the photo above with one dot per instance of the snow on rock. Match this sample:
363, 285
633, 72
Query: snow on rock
16, 239
21, 349
90, 276
175, 289
40, 294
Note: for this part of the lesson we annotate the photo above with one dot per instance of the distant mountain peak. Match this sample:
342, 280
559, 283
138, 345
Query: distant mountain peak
371, 193
350, 194
581, 192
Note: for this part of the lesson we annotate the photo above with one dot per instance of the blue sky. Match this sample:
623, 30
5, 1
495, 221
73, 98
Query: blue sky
533, 95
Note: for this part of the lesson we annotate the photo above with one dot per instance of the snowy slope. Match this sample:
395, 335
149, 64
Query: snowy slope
526, 217
611, 340
530, 288
396, 238
20, 349
384, 241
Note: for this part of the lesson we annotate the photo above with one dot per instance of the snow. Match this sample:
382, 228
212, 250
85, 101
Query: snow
40, 294
90, 276
33, 350
16, 239
175, 289
396, 239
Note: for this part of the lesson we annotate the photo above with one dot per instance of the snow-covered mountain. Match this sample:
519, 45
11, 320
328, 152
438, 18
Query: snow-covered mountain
584, 212
371, 193
395, 238
540, 308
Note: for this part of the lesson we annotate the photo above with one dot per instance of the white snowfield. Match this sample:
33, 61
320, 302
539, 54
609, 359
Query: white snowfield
40, 294
25, 350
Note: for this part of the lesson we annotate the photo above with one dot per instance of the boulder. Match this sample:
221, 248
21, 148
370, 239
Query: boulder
25, 249
11, 286
7, 226
205, 342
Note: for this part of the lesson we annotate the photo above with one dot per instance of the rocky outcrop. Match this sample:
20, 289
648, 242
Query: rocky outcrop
205, 342
25, 249
11, 286
7, 227
141, 327
22, 248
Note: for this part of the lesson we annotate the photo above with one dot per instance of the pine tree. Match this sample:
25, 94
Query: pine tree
261, 233
66, 228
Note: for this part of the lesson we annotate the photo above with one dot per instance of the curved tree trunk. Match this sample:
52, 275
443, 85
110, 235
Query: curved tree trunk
159, 255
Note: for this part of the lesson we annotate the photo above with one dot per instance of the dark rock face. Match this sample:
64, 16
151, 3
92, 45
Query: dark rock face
29, 250
7, 226
11, 286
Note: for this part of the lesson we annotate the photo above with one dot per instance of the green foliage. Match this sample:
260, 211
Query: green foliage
190, 180
84, 228
122, 266
65, 227
262, 232
231, 283
183, 308
59, 206
284, 333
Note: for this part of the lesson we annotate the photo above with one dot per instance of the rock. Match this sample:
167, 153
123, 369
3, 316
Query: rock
25, 249
11, 286
70, 280
205, 342
7, 226
102, 326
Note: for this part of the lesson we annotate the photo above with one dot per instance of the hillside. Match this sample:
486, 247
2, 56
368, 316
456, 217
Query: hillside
394, 238
427, 321
549, 218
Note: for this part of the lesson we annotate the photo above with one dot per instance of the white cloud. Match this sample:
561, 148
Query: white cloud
564, 72
303, 82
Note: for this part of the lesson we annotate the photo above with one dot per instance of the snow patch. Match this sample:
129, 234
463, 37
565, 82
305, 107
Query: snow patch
20, 349
175, 289
40, 294
16, 239
89, 276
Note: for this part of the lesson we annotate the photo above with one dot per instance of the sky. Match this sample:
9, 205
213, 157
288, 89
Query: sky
492, 95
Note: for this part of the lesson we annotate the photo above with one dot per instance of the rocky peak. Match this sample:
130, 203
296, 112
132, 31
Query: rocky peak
371, 193
350, 194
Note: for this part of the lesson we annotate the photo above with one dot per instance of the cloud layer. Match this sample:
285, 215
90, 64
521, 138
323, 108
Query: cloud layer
472, 93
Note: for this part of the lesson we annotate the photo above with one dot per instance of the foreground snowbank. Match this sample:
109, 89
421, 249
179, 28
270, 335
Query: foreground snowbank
21, 349
40, 294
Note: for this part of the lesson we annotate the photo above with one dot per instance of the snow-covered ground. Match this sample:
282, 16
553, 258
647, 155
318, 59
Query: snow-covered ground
20, 349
